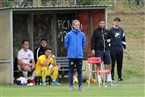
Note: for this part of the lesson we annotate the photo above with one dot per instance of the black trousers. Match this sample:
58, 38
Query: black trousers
117, 56
78, 63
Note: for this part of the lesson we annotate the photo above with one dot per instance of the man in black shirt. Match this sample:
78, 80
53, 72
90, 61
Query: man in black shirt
100, 47
41, 49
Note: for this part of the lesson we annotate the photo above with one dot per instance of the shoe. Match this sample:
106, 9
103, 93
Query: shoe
71, 88
55, 83
30, 84
109, 78
120, 79
99, 79
81, 88
112, 78
33, 82
43, 83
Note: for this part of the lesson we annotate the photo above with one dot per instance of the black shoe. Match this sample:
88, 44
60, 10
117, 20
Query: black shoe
112, 78
120, 79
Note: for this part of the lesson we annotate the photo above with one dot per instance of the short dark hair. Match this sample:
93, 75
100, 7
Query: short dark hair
44, 40
117, 19
47, 48
25, 40
101, 20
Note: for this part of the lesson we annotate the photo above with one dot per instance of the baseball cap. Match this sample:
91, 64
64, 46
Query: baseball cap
117, 19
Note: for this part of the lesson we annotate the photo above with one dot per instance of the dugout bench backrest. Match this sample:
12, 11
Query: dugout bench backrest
63, 62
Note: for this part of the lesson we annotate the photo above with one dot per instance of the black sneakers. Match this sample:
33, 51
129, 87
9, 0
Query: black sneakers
120, 79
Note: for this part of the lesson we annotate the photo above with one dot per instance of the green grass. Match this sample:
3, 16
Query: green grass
133, 69
131, 87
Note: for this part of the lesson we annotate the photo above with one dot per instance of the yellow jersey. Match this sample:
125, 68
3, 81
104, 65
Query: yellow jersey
41, 60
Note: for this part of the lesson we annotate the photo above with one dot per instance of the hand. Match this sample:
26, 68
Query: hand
93, 52
108, 40
125, 51
49, 56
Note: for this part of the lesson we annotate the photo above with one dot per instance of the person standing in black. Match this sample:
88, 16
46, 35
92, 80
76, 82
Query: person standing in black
118, 46
100, 47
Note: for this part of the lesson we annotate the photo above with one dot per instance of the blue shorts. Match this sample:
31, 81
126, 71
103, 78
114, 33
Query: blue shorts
105, 56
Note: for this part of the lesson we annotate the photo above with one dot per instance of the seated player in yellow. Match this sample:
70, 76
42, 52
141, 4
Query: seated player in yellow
46, 66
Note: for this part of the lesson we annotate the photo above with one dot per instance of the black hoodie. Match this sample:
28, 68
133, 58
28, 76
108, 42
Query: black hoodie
39, 51
99, 39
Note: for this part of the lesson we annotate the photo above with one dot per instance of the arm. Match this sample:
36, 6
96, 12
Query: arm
124, 42
32, 63
93, 43
66, 41
20, 62
109, 37
84, 41
46, 62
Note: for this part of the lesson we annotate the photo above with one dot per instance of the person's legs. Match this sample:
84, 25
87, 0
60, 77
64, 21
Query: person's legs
119, 64
44, 73
99, 53
113, 58
32, 70
71, 71
107, 59
79, 70
107, 62
33, 75
38, 74
24, 69
54, 74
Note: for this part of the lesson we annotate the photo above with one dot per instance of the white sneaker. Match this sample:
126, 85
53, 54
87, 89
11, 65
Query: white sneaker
109, 79
81, 88
99, 79
71, 88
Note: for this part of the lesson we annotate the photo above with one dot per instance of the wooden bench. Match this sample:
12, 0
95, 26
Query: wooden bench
63, 62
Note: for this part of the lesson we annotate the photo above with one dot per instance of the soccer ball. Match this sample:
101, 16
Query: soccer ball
93, 80
75, 79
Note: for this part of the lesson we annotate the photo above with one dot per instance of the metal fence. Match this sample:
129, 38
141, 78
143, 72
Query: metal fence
51, 3
132, 4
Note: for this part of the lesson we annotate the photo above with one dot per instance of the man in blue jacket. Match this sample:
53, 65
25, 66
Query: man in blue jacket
75, 43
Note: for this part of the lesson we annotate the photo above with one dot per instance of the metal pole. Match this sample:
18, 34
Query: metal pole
75, 2
11, 45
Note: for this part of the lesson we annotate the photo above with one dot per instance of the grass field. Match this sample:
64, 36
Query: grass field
133, 69
132, 87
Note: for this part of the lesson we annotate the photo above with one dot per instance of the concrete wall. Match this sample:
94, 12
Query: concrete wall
6, 75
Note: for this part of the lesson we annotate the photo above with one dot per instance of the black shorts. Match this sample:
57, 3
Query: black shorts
105, 56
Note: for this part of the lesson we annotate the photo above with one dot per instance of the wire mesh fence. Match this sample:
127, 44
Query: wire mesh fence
131, 4
51, 3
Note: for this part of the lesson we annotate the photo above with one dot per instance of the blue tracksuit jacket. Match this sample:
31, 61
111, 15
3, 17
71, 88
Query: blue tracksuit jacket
75, 43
